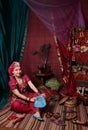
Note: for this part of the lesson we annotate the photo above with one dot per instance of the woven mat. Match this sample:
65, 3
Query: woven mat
30, 123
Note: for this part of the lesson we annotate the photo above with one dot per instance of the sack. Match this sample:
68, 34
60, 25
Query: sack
40, 101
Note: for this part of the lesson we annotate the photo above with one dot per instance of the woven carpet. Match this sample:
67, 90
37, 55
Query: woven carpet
30, 123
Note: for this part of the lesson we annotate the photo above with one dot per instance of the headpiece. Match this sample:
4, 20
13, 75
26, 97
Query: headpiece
12, 66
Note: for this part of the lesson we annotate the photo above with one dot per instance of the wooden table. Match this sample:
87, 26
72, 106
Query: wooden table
44, 76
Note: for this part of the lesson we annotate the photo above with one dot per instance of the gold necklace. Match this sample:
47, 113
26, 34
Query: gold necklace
19, 80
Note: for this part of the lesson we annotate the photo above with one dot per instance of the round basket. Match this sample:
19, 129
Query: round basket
71, 103
63, 100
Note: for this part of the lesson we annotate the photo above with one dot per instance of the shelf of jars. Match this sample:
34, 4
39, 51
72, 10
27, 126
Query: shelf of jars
80, 56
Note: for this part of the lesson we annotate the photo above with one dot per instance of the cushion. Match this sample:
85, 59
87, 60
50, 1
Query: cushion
53, 83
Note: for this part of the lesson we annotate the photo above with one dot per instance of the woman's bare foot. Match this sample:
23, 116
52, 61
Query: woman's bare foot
19, 118
19, 115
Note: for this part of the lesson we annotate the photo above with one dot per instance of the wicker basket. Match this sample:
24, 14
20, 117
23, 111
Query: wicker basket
63, 100
71, 103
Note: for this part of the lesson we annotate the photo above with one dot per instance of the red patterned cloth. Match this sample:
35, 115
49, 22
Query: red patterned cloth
17, 104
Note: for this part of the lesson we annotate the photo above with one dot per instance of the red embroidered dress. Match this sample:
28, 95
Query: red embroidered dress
18, 104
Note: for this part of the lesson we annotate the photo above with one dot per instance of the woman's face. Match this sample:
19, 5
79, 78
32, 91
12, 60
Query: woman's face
17, 71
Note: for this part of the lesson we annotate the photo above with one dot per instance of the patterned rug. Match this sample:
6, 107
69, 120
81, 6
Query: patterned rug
49, 123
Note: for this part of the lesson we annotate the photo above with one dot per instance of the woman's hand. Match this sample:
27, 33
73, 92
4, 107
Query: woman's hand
43, 94
33, 99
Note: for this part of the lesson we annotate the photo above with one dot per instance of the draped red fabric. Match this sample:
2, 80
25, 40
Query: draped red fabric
71, 82
66, 59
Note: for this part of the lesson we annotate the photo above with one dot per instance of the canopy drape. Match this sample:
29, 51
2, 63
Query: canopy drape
59, 16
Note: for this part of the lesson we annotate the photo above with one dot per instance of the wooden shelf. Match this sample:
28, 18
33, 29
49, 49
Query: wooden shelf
82, 83
80, 57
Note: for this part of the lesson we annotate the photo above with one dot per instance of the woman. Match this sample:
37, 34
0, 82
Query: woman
22, 100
